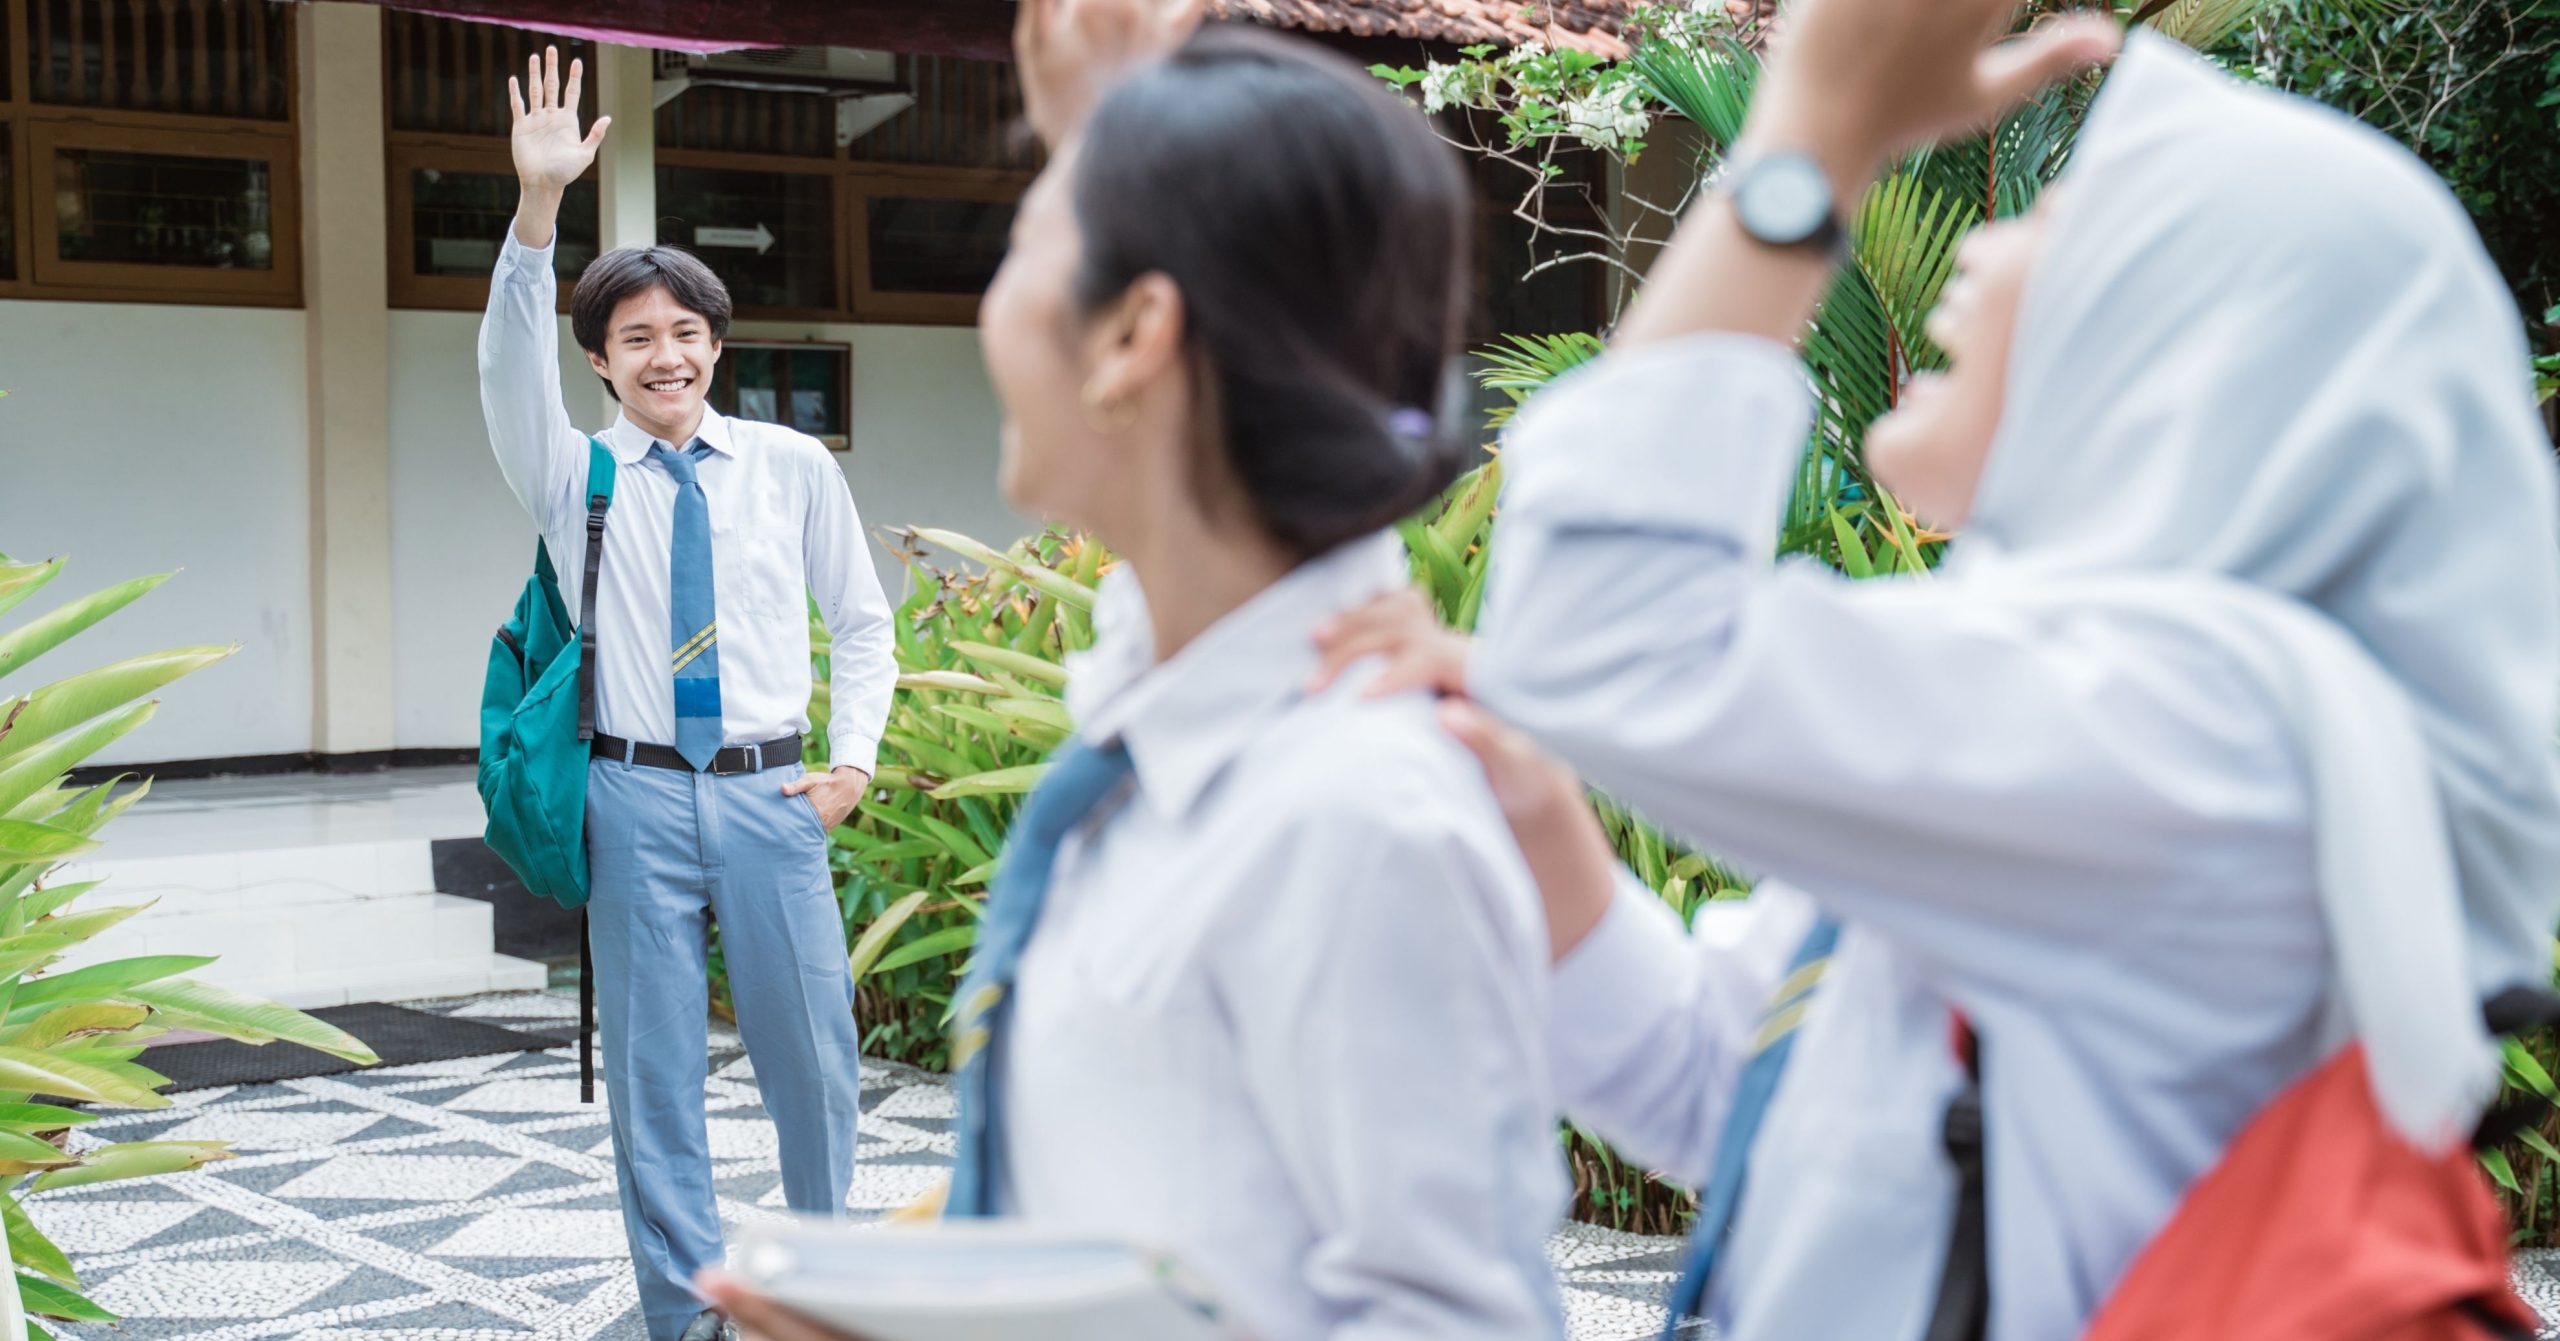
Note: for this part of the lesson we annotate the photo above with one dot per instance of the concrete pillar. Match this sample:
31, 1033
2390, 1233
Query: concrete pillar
627, 194
627, 166
345, 248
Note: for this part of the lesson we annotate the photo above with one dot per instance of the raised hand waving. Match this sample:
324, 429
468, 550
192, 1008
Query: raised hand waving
549, 151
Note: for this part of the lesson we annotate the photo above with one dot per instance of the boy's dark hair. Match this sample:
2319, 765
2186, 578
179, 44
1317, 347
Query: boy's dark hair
1320, 235
627, 272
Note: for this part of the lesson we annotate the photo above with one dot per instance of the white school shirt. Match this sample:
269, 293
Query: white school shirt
2092, 837
1284, 1012
783, 526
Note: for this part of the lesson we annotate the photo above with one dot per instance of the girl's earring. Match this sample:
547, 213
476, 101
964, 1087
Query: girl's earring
1104, 413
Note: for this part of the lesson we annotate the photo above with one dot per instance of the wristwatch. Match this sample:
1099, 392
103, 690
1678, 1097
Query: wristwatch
1784, 200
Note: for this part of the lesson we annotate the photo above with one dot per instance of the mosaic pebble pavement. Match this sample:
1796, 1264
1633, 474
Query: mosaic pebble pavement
473, 1200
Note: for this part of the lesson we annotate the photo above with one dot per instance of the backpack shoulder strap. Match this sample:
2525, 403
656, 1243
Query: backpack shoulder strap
599, 499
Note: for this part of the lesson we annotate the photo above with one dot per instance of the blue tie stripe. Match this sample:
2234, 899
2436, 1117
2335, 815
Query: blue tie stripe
692, 607
1079, 778
1751, 1095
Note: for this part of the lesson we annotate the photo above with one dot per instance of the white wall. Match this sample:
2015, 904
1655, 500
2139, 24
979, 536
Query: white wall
924, 451
139, 439
925, 427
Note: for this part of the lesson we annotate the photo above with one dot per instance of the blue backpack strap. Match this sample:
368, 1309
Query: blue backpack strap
599, 498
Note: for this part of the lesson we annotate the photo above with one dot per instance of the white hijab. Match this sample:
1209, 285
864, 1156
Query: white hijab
2263, 352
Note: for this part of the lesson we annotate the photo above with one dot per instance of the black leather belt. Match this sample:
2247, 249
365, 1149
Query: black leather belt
735, 759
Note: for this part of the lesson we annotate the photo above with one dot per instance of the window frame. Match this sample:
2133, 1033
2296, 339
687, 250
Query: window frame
784, 165
403, 155
842, 348
34, 129
280, 285
908, 307
853, 182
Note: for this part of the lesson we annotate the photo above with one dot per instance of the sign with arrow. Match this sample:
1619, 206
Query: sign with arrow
758, 237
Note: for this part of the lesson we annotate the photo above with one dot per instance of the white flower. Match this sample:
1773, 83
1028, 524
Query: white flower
1607, 118
1527, 51
1442, 85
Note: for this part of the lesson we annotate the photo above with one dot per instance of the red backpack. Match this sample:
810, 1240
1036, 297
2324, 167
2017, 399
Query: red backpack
2320, 1223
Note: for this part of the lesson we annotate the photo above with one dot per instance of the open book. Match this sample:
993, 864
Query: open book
990, 1280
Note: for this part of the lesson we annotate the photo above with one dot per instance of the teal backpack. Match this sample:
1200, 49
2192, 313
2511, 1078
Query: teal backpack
537, 715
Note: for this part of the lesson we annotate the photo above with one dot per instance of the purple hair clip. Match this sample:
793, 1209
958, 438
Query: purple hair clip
1409, 422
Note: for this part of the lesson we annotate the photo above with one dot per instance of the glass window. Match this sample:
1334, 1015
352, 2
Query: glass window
769, 235
205, 57
939, 246
126, 208
800, 386
459, 219
8, 210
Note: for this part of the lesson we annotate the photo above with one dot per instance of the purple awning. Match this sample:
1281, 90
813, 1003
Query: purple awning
979, 29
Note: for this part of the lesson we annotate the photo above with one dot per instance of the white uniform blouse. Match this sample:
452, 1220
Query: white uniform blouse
2089, 836
1285, 1009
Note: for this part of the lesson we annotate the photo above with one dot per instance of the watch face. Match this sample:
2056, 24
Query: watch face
1783, 199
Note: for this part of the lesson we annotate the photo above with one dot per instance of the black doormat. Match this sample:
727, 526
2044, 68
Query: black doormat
401, 1036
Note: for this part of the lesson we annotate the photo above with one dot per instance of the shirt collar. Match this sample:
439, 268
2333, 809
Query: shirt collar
630, 443
1185, 719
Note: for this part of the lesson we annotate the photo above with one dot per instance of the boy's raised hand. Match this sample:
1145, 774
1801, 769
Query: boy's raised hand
1866, 79
1070, 51
549, 151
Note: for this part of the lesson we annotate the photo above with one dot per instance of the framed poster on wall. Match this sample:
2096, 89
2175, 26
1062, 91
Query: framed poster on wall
805, 385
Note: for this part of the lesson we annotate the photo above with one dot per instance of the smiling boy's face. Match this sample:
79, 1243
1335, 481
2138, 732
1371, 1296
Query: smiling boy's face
658, 357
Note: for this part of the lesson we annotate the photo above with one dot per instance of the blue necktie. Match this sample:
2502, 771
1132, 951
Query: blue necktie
1751, 1097
692, 613
1079, 777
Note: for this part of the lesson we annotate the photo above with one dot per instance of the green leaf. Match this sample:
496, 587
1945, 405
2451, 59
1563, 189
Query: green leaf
65, 704
21, 840
28, 1247
186, 1003
2521, 1061
995, 782
44, 1299
18, 581
79, 1018
41, 1117
1007, 660
1065, 588
134, 1159
875, 938
113, 979
1853, 552
2495, 1161
933, 945
31, 770
18, 1148
58, 625
26, 1071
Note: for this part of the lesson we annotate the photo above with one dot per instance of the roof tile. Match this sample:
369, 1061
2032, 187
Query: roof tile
1591, 25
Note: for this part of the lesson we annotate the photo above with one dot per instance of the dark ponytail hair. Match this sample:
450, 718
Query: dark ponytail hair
1319, 232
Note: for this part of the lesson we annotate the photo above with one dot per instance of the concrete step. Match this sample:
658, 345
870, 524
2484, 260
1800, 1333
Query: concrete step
261, 878
308, 925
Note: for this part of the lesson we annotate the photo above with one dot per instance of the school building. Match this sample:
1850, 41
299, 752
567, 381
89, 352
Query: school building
244, 246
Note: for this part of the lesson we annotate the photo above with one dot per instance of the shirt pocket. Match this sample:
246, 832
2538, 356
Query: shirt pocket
758, 557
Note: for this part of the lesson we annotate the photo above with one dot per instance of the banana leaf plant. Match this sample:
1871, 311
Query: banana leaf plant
72, 1042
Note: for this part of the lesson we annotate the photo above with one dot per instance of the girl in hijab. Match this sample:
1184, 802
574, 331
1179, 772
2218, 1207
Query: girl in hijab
2222, 741
1261, 981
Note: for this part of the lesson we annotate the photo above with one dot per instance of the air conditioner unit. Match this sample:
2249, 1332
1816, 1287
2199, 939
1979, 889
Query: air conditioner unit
826, 63
863, 83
